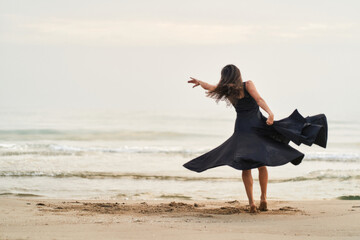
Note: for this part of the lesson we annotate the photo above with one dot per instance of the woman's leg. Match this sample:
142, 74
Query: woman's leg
248, 182
263, 179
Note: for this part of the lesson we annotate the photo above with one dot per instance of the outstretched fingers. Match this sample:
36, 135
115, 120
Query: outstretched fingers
194, 81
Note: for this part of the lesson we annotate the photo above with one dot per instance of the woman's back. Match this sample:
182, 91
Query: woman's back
246, 104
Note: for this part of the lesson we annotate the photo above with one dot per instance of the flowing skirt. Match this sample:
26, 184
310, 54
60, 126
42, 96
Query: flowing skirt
255, 144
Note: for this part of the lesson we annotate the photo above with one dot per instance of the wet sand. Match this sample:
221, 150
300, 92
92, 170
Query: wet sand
31, 218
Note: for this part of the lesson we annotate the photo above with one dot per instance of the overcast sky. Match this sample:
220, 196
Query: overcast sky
138, 55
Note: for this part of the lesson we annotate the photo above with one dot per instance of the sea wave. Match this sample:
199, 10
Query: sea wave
333, 157
312, 176
61, 149
128, 149
93, 135
48, 149
20, 194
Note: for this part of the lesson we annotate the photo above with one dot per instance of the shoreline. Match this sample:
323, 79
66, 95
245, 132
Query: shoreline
172, 197
34, 218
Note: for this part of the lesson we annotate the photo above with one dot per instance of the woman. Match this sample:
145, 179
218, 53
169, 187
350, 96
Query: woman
257, 141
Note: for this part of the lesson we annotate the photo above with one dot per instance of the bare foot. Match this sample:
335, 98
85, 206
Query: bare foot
263, 206
253, 209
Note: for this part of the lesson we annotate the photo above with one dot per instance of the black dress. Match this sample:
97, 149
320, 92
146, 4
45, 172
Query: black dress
255, 144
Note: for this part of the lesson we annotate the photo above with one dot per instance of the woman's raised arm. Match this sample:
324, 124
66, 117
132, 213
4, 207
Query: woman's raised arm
204, 85
250, 87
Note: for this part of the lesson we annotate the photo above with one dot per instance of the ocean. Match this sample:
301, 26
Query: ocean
139, 156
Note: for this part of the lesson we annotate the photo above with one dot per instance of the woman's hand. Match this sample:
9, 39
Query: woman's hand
194, 81
204, 85
270, 119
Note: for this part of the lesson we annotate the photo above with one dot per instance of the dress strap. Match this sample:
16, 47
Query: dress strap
245, 91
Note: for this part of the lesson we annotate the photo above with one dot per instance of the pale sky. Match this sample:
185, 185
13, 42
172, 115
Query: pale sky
138, 55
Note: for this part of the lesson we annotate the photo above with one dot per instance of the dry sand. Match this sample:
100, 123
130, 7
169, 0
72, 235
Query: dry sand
29, 218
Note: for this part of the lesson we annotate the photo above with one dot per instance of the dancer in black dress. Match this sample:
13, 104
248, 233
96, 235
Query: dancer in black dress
257, 141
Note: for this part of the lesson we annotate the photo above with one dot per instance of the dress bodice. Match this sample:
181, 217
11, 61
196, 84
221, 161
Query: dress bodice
247, 103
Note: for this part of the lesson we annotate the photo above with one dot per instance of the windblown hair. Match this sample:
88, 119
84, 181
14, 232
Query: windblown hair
230, 86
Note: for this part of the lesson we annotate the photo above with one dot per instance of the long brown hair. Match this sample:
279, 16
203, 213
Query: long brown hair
230, 86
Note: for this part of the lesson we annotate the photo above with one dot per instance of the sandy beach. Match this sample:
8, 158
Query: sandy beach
29, 218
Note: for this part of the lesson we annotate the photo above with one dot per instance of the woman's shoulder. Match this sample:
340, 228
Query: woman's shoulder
248, 82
